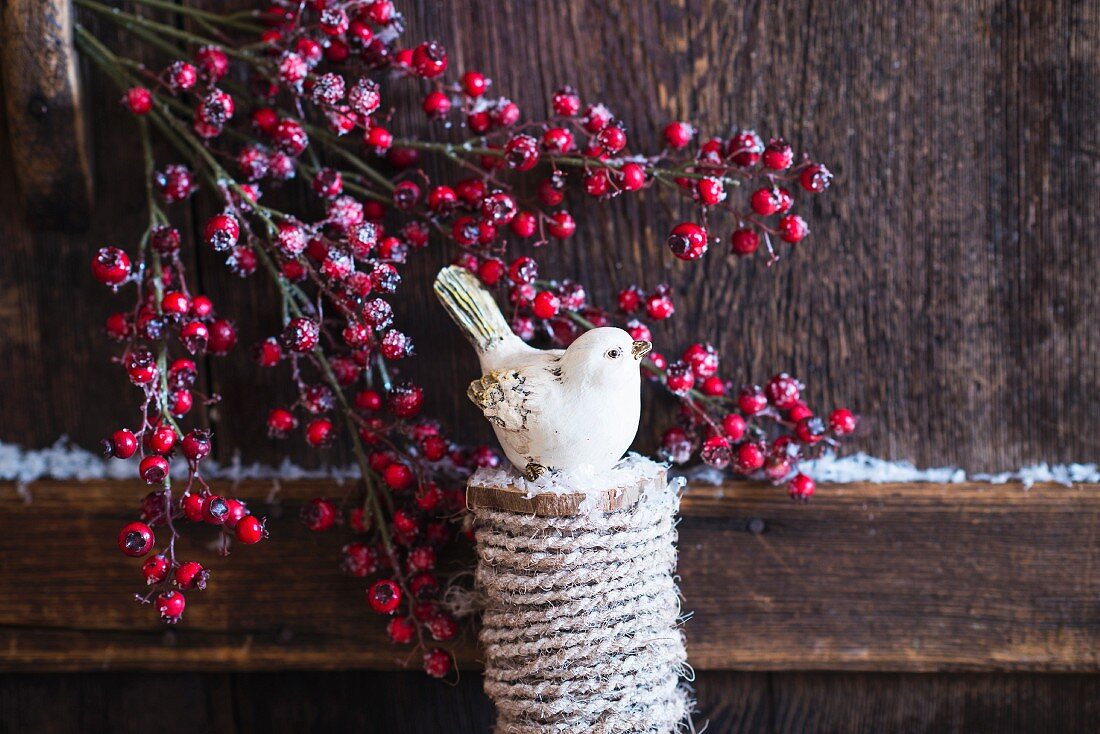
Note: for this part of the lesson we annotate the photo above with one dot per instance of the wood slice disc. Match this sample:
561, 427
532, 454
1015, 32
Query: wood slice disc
619, 495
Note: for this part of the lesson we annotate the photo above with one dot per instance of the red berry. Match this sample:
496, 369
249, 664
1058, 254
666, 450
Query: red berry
443, 627
196, 445
733, 426
301, 335
182, 75
751, 400
491, 270
744, 242
799, 411
557, 140
778, 155
213, 63
378, 138
566, 102
155, 569
783, 391
398, 476
136, 539
793, 228
633, 177
429, 59
384, 596
561, 225
678, 134
750, 457
801, 487
191, 505
815, 178
703, 359
521, 152
290, 137
688, 241
221, 232
250, 530
842, 422
123, 444
174, 183
319, 432
139, 100
421, 558
596, 118
170, 604
612, 138
405, 400
153, 469
810, 430
546, 305
237, 512
438, 663
222, 337
318, 514
474, 83
745, 148
191, 575
716, 452
710, 191
658, 306
215, 510
714, 386
498, 208
402, 630
280, 422
111, 266
766, 201
679, 378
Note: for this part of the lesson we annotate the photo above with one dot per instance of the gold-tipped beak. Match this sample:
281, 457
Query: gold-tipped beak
641, 349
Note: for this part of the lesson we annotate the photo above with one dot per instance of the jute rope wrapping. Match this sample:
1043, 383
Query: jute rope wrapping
580, 626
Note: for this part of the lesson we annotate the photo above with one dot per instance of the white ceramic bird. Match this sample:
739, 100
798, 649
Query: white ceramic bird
554, 409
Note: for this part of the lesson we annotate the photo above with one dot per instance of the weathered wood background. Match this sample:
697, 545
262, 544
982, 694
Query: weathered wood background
947, 293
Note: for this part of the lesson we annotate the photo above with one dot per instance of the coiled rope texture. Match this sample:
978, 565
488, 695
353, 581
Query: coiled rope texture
580, 626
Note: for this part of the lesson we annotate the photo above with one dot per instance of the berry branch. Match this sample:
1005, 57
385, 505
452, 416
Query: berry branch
317, 75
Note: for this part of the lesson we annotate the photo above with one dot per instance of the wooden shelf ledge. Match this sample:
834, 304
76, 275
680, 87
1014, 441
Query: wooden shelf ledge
893, 577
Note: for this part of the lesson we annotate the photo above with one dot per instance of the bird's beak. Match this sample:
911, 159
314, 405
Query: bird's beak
641, 349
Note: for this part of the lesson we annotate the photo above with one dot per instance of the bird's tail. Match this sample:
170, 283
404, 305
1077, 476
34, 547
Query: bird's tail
472, 307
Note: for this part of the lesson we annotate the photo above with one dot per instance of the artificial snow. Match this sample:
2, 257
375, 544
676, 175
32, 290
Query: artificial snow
65, 461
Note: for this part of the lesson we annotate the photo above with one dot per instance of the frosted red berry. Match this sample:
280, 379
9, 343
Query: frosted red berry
810, 430
139, 100
561, 225
842, 422
687, 241
401, 630
793, 228
745, 148
783, 391
429, 59
751, 400
111, 266
815, 178
546, 305
777, 155
801, 487
678, 134
384, 596
221, 232
438, 663
766, 201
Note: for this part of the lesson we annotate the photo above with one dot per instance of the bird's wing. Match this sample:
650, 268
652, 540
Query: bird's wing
502, 396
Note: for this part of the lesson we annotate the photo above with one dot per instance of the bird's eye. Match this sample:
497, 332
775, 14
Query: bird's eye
614, 353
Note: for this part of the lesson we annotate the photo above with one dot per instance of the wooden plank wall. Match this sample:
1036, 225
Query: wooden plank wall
947, 293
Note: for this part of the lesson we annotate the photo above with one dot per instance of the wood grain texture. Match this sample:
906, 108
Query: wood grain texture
554, 504
45, 116
370, 701
878, 578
